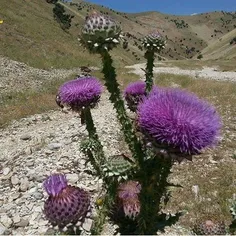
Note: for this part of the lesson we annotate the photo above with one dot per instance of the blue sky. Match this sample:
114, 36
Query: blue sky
177, 7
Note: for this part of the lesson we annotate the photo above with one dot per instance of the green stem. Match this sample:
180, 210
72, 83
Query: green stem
115, 97
153, 178
150, 56
89, 123
106, 207
96, 158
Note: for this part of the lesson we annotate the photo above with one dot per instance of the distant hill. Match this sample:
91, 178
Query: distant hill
222, 48
31, 35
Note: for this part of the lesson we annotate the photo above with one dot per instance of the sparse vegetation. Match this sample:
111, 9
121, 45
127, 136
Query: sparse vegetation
200, 56
233, 41
61, 17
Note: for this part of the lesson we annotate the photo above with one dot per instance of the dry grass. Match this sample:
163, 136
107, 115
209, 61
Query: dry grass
16, 105
222, 65
31, 35
221, 48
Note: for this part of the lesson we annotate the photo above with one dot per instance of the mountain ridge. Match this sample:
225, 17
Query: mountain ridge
31, 35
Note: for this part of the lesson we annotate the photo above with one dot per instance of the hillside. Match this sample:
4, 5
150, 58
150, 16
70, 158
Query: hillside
31, 35
221, 48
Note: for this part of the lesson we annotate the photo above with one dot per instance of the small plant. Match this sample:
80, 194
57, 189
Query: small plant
170, 125
63, 19
200, 56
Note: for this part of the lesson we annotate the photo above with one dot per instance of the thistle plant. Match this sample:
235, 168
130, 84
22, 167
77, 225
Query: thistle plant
66, 205
134, 93
100, 34
81, 95
171, 125
178, 121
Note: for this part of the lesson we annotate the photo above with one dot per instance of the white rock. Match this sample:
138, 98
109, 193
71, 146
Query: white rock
87, 225
72, 178
6, 171
2, 229
25, 137
195, 190
14, 180
28, 151
24, 184
16, 218
53, 146
6, 220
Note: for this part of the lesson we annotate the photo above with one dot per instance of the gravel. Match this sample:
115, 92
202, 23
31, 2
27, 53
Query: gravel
206, 72
33, 148
17, 76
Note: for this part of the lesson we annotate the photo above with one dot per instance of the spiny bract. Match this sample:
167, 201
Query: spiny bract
154, 42
209, 227
128, 197
66, 204
117, 165
100, 32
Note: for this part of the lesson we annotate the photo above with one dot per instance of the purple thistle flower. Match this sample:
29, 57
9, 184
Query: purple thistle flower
83, 92
180, 120
134, 93
129, 189
66, 204
131, 207
128, 198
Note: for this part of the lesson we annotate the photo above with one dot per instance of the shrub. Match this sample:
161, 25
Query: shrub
200, 56
60, 16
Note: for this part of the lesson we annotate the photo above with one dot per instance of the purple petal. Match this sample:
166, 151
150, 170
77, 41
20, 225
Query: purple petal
54, 184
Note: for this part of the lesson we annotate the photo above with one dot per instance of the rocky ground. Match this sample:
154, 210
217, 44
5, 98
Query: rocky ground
207, 72
33, 148
16, 76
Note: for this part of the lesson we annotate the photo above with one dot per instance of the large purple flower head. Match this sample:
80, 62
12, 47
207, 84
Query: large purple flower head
129, 189
179, 120
128, 193
66, 204
79, 93
134, 93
